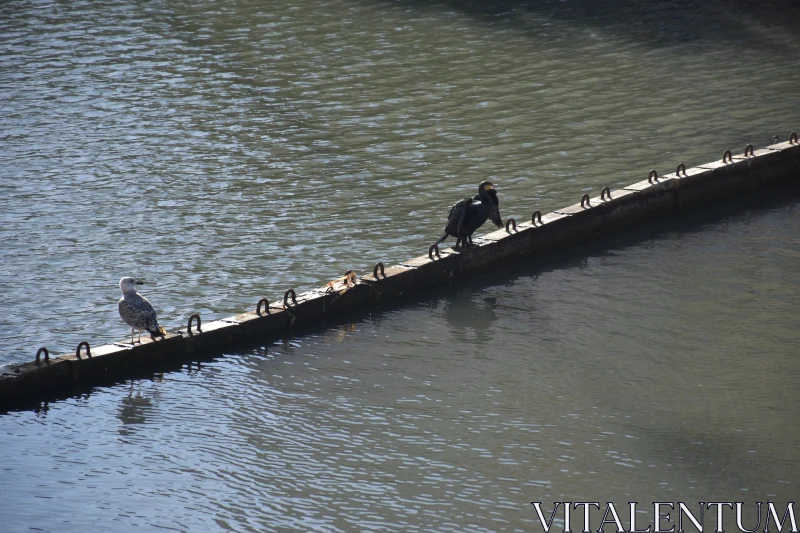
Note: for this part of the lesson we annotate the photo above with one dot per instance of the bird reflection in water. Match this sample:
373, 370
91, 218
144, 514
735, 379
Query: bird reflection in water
41, 409
469, 314
134, 408
341, 334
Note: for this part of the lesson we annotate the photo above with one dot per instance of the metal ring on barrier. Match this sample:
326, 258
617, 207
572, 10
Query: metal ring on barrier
84, 344
585, 198
265, 303
605, 194
46, 355
748, 150
286, 298
191, 319
681, 168
653, 175
434, 249
727, 157
290, 312
537, 215
792, 137
511, 222
378, 266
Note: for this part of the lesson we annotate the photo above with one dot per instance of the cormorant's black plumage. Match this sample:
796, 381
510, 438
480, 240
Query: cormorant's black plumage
469, 214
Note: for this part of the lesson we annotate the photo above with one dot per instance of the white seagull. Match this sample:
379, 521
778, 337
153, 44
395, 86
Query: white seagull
137, 312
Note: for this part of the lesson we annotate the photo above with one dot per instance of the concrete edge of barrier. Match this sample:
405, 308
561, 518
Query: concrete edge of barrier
391, 282
27, 378
658, 194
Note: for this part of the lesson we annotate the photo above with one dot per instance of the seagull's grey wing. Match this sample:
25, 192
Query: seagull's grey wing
138, 313
149, 314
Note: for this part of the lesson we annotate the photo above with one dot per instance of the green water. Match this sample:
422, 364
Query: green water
226, 151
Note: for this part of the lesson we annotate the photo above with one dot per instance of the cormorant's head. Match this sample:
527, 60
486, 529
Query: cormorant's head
485, 186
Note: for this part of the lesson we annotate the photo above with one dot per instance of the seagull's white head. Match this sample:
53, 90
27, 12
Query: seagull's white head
128, 284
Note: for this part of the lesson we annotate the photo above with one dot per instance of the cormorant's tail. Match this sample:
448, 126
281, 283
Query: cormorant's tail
441, 239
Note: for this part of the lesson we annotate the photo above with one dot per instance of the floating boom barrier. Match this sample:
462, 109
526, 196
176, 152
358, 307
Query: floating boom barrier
655, 196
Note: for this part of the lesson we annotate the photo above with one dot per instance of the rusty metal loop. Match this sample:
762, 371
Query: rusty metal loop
585, 198
511, 222
289, 311
537, 215
265, 303
46, 355
434, 249
681, 168
84, 344
605, 194
286, 298
653, 175
191, 319
378, 266
748, 150
350, 277
792, 137
727, 157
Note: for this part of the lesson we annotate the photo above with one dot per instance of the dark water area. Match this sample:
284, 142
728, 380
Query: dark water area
225, 151
661, 23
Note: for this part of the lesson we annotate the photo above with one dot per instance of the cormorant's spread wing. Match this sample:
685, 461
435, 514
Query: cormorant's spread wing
493, 195
458, 214
458, 206
494, 209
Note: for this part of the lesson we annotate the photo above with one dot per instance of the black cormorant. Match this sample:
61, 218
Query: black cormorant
469, 214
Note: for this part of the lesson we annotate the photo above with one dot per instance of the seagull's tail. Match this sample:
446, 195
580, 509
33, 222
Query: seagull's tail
157, 331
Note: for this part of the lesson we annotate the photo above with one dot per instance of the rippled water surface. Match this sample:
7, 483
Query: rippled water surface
225, 151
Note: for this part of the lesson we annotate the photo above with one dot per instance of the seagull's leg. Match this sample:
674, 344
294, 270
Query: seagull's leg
140, 337
131, 335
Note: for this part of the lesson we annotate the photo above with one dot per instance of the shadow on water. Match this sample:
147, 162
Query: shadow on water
772, 23
132, 406
469, 312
